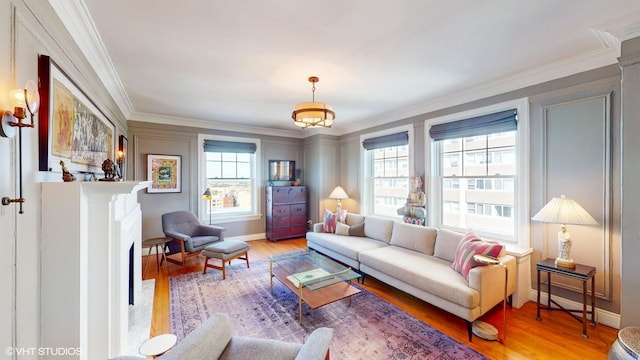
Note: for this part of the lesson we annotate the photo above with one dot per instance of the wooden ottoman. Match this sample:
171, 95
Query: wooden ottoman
225, 251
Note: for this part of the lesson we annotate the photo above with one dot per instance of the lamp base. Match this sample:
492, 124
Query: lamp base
565, 263
484, 330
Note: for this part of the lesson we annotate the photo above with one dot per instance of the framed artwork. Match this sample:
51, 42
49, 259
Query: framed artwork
123, 145
164, 172
71, 127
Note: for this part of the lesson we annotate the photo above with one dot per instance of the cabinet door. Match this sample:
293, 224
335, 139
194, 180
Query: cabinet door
298, 214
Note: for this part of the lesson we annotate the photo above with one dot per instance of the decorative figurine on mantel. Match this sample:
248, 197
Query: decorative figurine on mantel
110, 172
66, 175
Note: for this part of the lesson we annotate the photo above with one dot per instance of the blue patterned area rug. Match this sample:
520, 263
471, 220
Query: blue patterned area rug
370, 328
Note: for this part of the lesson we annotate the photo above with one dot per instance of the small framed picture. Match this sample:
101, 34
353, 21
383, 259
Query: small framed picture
165, 173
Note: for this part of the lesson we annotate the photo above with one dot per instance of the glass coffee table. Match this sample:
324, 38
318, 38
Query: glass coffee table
315, 278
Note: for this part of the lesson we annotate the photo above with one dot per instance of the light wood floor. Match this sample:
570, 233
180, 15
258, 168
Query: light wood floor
556, 336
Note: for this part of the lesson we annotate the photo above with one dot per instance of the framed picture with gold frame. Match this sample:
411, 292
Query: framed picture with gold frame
165, 173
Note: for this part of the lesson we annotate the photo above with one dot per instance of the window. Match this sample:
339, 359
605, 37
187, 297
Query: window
485, 175
387, 162
229, 172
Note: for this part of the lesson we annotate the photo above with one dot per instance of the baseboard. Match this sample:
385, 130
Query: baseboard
602, 316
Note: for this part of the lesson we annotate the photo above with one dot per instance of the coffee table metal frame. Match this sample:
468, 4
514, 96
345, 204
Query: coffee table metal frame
318, 291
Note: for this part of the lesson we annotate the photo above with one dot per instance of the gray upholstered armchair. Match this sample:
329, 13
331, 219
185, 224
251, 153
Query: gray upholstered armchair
187, 232
213, 340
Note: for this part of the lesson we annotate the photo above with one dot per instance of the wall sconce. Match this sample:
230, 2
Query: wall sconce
120, 160
25, 102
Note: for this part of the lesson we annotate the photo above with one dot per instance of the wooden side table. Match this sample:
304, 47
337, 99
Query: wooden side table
580, 272
158, 345
158, 243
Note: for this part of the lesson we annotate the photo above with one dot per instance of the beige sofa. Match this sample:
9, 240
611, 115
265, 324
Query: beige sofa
417, 260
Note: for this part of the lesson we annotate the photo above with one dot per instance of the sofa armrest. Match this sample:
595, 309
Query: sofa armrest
317, 345
317, 227
207, 341
488, 280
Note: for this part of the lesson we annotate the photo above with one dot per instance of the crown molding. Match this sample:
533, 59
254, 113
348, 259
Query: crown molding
208, 124
623, 28
607, 55
76, 18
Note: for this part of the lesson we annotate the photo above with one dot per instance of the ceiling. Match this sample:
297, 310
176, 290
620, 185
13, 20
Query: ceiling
235, 63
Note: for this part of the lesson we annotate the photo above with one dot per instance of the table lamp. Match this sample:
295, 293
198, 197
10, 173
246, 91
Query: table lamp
564, 211
207, 196
338, 194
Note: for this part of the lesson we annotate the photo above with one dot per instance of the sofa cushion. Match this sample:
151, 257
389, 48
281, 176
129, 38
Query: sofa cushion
350, 247
378, 228
427, 273
329, 223
241, 347
342, 229
471, 245
357, 230
341, 215
446, 244
414, 237
354, 219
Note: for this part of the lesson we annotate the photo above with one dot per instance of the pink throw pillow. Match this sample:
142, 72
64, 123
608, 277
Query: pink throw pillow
329, 223
471, 245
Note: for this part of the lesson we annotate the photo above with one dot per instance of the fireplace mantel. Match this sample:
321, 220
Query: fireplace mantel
88, 231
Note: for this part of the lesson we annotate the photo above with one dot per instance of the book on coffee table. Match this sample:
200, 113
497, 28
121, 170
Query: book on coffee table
308, 276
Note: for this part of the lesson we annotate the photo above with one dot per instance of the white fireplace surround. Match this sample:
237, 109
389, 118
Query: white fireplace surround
88, 229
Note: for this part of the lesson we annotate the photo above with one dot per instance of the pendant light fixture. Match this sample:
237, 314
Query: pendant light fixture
313, 114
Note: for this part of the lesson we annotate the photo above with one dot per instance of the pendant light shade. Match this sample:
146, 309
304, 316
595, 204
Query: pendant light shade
313, 114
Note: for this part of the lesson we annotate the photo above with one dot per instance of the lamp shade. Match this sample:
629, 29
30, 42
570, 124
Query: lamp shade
207, 194
313, 114
563, 210
338, 193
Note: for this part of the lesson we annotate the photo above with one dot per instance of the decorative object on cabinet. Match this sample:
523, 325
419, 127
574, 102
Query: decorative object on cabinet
72, 127
313, 114
299, 176
165, 173
564, 211
24, 101
286, 212
281, 170
338, 194
207, 196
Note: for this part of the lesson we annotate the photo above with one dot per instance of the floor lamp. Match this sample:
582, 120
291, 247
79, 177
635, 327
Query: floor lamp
481, 328
207, 196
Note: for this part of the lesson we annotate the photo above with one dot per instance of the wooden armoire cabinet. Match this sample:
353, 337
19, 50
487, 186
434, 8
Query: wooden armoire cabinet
286, 212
